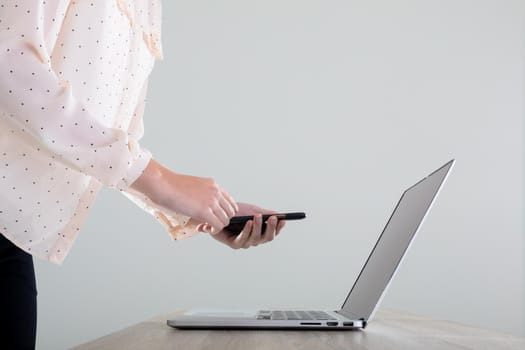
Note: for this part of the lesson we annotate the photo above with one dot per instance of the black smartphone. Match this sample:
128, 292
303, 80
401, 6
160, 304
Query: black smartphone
237, 223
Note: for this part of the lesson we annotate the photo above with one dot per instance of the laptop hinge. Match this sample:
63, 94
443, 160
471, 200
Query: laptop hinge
347, 315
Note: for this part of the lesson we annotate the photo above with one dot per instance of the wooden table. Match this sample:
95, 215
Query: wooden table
388, 330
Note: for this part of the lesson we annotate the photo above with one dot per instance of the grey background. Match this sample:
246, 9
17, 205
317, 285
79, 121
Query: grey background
332, 107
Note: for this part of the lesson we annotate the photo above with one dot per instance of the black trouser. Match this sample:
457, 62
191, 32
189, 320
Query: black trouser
17, 297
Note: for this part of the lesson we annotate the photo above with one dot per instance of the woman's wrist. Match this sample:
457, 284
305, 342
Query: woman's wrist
151, 180
199, 198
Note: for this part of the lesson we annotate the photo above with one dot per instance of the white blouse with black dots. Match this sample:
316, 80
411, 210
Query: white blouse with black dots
73, 81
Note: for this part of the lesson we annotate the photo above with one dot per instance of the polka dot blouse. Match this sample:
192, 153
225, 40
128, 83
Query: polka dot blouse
73, 81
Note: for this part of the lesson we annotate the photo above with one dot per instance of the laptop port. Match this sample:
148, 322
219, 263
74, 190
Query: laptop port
310, 323
331, 323
348, 324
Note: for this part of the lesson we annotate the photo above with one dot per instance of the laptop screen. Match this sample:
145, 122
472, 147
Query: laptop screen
392, 245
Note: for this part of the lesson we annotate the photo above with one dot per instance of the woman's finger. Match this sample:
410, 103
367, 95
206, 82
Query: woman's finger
215, 220
221, 215
255, 236
231, 201
207, 228
226, 206
271, 227
280, 226
243, 237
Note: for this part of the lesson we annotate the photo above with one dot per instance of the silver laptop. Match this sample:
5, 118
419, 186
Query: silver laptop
369, 288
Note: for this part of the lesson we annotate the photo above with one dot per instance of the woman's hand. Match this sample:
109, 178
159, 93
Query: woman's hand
251, 235
199, 198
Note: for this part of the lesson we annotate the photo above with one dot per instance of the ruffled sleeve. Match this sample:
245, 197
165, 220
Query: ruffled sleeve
146, 16
179, 226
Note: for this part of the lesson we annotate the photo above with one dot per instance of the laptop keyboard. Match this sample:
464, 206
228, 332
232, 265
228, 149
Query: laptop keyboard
293, 315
